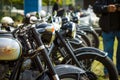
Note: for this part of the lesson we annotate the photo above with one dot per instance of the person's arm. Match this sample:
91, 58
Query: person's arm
100, 6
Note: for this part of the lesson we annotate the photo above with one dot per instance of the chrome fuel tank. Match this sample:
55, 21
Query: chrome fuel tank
10, 48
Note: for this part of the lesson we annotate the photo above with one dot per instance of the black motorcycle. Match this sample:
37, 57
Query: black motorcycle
23, 56
62, 52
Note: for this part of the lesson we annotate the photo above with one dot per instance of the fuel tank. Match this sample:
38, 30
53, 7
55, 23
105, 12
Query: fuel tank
10, 48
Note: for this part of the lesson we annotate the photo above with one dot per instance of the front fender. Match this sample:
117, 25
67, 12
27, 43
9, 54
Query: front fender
86, 28
61, 69
68, 69
93, 50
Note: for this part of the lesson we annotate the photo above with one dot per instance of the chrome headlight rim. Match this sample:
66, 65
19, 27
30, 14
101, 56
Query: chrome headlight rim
70, 29
73, 34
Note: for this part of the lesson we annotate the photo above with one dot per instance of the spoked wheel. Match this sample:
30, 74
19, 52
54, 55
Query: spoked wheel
91, 75
62, 76
95, 65
73, 77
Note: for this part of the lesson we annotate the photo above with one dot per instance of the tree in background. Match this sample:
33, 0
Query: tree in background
18, 3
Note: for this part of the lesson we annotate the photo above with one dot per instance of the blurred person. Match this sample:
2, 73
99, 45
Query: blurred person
72, 8
57, 8
109, 22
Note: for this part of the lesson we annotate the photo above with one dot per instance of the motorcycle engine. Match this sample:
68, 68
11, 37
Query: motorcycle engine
4, 71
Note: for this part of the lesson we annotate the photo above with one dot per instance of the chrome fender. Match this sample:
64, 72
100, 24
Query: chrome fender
93, 50
62, 69
65, 69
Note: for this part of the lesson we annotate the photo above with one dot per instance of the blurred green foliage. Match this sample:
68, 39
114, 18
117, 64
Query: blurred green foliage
44, 2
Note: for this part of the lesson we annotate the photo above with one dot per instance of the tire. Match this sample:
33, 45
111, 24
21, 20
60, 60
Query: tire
85, 38
84, 41
91, 33
86, 60
93, 38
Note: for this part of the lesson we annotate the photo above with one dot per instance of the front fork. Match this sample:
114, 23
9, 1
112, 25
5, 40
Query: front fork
68, 49
44, 52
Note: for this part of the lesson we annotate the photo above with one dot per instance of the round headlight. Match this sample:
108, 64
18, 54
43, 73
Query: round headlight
75, 19
65, 20
70, 29
47, 31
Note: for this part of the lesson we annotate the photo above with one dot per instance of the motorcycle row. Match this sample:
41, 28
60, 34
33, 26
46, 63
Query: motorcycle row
53, 48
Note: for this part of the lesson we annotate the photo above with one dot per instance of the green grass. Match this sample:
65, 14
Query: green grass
114, 57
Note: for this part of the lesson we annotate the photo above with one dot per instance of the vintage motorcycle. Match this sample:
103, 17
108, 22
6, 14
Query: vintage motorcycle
83, 57
23, 56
